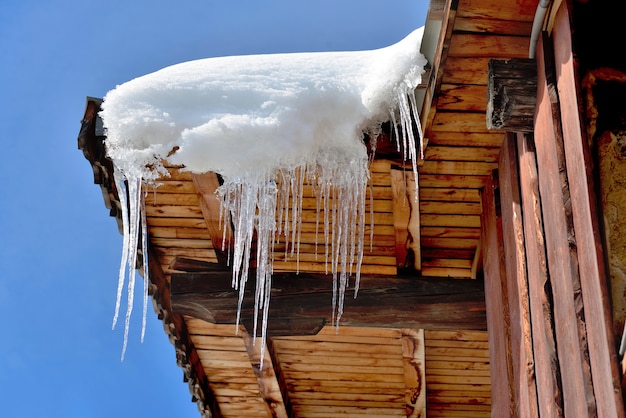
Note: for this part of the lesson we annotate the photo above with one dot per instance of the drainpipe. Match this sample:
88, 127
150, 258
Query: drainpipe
540, 14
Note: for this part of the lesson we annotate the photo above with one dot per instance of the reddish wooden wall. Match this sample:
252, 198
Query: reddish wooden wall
550, 326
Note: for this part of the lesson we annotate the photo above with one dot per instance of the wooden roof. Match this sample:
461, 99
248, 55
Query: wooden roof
427, 267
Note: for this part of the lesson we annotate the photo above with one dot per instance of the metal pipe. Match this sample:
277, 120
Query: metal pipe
540, 14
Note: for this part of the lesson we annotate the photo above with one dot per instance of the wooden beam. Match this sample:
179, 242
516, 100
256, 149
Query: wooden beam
206, 185
516, 281
406, 219
578, 397
414, 372
175, 326
267, 376
498, 322
591, 258
429, 106
547, 370
301, 303
511, 94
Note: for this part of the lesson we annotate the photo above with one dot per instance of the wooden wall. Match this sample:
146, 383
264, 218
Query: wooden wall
553, 352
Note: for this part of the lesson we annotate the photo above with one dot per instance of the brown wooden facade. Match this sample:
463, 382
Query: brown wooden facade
499, 294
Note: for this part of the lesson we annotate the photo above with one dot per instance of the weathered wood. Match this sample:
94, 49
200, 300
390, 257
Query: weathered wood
520, 10
449, 194
591, 259
466, 70
175, 324
460, 122
491, 26
458, 168
406, 219
456, 153
381, 302
473, 45
516, 281
206, 186
511, 95
577, 387
496, 302
547, 370
267, 377
452, 180
429, 106
414, 373
462, 97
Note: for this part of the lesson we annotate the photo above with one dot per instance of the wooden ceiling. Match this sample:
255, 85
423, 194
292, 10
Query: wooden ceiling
371, 365
461, 153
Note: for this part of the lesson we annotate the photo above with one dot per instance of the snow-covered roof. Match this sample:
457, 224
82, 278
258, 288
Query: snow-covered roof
267, 124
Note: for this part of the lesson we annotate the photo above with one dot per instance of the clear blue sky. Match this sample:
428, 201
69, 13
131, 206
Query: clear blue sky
60, 249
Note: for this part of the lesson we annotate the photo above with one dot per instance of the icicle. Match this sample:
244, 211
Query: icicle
146, 278
121, 191
131, 213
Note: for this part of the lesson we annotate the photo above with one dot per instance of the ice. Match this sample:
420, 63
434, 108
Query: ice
268, 124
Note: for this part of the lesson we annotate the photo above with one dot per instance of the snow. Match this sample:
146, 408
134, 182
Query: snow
267, 124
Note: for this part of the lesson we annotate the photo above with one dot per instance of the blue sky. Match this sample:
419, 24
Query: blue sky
60, 249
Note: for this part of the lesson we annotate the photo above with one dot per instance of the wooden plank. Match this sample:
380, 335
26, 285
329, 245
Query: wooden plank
321, 268
467, 139
462, 97
446, 153
492, 26
381, 302
578, 397
453, 243
268, 375
458, 168
171, 199
475, 353
457, 335
471, 45
406, 219
182, 243
547, 372
176, 326
179, 232
443, 253
482, 345
323, 411
451, 208
414, 372
221, 234
448, 232
450, 221
429, 105
511, 94
449, 194
519, 10
177, 222
452, 181
173, 186
591, 259
496, 301
516, 281
361, 361
447, 272
466, 70
460, 122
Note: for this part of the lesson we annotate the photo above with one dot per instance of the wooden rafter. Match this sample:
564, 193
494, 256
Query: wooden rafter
301, 303
414, 373
406, 219
206, 185
268, 377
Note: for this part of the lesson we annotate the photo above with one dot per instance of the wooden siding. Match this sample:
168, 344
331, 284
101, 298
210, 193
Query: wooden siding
461, 152
352, 372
